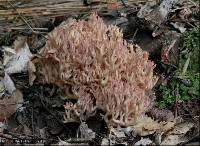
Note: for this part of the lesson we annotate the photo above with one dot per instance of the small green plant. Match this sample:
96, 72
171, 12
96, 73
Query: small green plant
184, 85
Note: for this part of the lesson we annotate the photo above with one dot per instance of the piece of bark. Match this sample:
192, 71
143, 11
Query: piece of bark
170, 49
12, 12
155, 13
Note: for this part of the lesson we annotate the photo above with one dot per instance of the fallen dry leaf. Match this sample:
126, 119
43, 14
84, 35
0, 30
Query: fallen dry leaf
61, 142
164, 129
178, 134
117, 132
2, 89
172, 140
144, 141
2, 127
15, 60
10, 98
166, 126
8, 84
18, 97
105, 141
179, 26
9, 104
8, 53
86, 133
118, 136
7, 108
182, 128
146, 126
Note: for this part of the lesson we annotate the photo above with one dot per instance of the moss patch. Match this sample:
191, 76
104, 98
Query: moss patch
184, 85
6, 40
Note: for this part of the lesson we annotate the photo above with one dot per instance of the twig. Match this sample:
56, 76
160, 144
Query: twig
6, 136
188, 23
19, 136
165, 63
32, 120
195, 4
78, 140
135, 33
186, 64
11, 103
23, 19
22, 28
176, 99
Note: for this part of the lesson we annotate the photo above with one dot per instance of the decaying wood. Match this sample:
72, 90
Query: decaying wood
11, 11
155, 13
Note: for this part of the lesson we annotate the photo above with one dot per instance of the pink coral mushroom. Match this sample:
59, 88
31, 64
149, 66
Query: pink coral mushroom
102, 70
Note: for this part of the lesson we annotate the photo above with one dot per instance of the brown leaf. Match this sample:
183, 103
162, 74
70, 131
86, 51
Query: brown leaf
20, 42
9, 104
177, 135
7, 108
146, 126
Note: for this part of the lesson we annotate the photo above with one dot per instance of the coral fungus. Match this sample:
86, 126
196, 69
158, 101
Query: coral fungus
100, 69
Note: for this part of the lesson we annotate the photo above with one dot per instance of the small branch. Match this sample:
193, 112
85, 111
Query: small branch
135, 33
23, 19
7, 136
185, 67
176, 100
22, 28
32, 121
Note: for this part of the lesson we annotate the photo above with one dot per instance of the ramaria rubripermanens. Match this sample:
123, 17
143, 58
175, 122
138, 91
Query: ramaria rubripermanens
101, 69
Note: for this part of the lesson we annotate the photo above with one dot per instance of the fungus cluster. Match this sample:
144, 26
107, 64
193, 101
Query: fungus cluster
93, 63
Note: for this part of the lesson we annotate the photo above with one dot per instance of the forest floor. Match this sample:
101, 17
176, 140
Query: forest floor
32, 113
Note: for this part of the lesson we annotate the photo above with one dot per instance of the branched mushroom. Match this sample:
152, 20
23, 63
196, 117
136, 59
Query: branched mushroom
102, 70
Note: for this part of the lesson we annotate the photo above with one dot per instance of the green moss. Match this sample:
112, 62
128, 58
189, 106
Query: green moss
6, 40
184, 85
